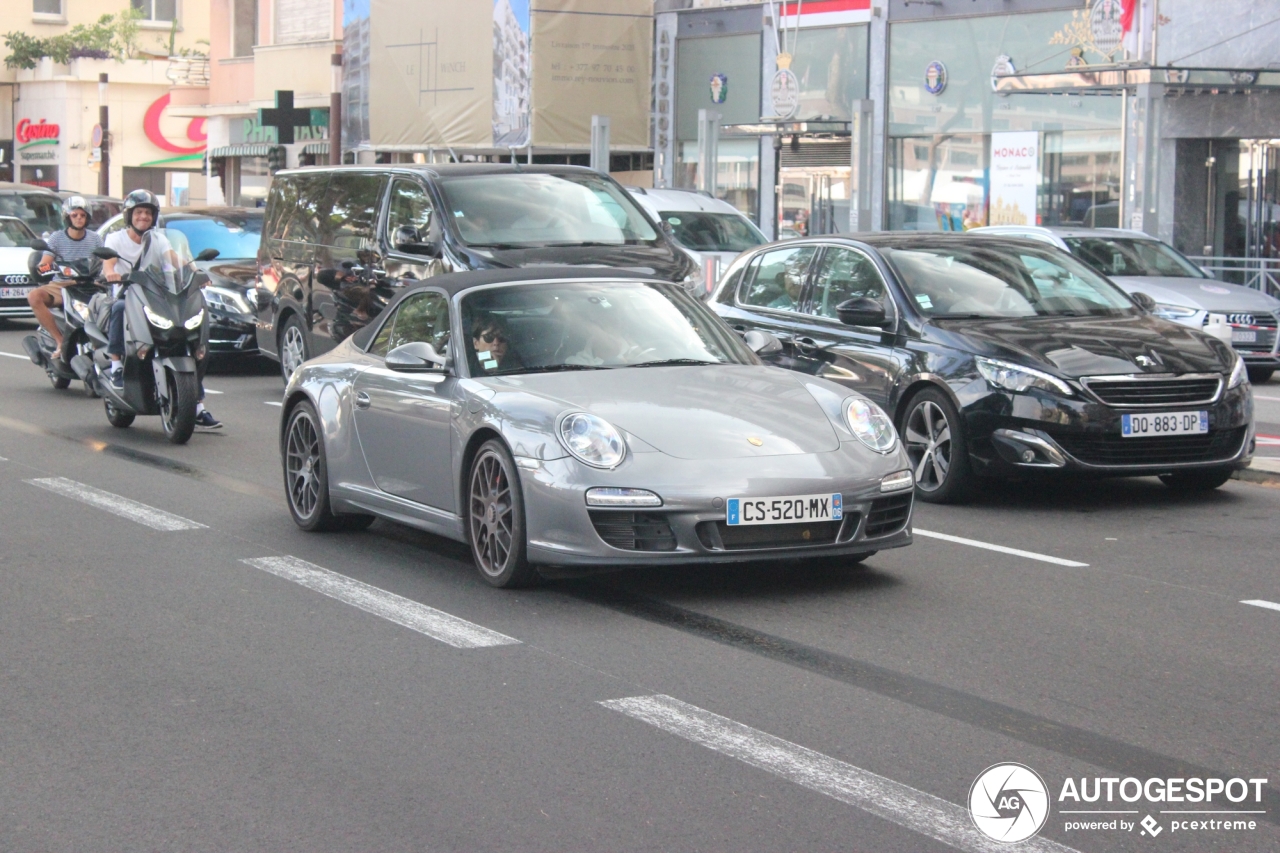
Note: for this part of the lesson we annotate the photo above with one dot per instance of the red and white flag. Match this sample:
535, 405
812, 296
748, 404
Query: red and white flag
1134, 18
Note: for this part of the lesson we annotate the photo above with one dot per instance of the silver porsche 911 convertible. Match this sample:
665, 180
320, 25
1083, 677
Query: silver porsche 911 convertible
575, 419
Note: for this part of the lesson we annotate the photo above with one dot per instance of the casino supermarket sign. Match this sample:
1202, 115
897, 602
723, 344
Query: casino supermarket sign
195, 130
36, 140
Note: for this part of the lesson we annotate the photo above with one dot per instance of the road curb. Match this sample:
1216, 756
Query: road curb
1260, 477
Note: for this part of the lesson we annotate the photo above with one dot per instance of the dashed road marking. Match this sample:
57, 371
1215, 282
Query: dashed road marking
881, 796
437, 624
209, 390
1258, 602
15, 355
157, 519
271, 403
1017, 552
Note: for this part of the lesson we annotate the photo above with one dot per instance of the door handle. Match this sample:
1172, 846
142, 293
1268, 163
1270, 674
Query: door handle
806, 346
740, 328
362, 400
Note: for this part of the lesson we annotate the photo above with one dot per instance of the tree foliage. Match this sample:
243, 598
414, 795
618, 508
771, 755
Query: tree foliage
110, 37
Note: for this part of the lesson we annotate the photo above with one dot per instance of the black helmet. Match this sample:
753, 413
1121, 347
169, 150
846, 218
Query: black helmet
75, 202
141, 198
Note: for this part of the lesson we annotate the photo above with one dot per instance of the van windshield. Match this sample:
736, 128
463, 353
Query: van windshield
526, 210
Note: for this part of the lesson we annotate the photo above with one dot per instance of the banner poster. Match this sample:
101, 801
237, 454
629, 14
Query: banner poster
591, 57
431, 73
1015, 172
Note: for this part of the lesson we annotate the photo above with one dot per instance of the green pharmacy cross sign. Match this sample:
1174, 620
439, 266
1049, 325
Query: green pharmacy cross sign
284, 117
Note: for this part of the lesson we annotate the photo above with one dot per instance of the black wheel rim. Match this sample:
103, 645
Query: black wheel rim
928, 444
303, 466
292, 350
492, 514
166, 406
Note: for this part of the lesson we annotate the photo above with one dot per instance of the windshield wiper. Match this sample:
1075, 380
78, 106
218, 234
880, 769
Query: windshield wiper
669, 361
553, 368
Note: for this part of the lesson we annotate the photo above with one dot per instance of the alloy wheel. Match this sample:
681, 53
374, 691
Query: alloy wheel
492, 514
928, 443
303, 466
293, 350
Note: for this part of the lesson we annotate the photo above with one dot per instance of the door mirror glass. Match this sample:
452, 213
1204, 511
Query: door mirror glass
207, 255
1144, 301
862, 311
416, 356
104, 253
39, 245
762, 343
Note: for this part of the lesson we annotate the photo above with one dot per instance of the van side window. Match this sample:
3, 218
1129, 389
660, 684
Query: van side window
353, 201
302, 207
410, 205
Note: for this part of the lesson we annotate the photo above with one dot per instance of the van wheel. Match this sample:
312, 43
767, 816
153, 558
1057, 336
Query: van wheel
293, 347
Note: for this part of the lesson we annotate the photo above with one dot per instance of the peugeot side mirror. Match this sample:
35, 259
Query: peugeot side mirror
416, 357
762, 343
40, 245
1143, 301
207, 255
104, 253
863, 311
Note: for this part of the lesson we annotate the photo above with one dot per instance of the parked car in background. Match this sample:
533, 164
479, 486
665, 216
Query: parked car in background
704, 225
15, 274
1183, 293
39, 208
235, 232
101, 207
998, 357
338, 243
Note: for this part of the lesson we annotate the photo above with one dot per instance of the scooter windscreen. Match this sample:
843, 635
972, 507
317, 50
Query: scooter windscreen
165, 264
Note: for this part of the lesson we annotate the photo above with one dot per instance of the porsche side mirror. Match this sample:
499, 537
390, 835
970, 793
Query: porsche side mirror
207, 255
104, 253
416, 357
762, 343
863, 311
1143, 301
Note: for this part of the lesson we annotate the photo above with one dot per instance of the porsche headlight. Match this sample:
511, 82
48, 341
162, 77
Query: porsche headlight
870, 424
195, 321
592, 440
1239, 374
156, 320
1015, 377
226, 299
1176, 313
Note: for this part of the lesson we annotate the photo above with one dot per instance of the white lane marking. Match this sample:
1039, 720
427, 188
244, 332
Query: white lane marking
436, 624
209, 390
156, 519
1030, 555
883, 797
271, 403
24, 357
1255, 396
1258, 602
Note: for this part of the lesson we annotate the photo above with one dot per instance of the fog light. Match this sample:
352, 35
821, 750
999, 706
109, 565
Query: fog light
897, 481
1028, 456
622, 497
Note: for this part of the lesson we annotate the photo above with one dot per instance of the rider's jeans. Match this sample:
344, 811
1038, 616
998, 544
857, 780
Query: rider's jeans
115, 329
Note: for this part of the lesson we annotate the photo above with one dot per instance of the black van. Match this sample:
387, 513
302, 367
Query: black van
338, 242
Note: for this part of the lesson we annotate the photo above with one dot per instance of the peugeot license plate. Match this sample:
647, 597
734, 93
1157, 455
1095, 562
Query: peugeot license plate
1169, 423
789, 510
1240, 336
14, 292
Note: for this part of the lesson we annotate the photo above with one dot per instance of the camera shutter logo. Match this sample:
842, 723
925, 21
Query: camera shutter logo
1009, 802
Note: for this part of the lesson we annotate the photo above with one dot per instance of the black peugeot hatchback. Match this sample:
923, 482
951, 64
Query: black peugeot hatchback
997, 358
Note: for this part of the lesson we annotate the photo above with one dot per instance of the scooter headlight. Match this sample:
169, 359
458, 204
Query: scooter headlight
156, 320
194, 322
80, 308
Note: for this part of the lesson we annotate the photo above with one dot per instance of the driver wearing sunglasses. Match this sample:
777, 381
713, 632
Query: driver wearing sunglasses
489, 340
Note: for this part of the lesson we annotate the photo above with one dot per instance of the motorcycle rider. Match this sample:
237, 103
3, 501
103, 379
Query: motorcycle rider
141, 211
73, 243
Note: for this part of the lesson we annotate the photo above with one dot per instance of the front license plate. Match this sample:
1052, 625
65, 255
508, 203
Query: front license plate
790, 510
1172, 423
1244, 337
14, 292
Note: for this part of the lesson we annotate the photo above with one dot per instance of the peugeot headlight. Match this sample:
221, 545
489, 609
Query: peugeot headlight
1015, 377
1239, 373
592, 440
1176, 313
156, 320
195, 321
226, 299
870, 424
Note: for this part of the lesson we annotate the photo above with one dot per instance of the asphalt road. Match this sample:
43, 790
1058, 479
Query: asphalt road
157, 692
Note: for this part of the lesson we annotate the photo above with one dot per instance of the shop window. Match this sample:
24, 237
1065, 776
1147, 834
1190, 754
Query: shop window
737, 173
157, 10
244, 27
938, 183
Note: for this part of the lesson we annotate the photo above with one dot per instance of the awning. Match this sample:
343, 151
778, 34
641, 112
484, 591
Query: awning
321, 147
1106, 80
257, 149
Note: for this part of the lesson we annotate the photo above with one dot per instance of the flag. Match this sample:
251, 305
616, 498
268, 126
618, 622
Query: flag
1132, 14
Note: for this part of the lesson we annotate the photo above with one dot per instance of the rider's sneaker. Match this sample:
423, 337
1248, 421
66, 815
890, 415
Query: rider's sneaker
206, 421
116, 378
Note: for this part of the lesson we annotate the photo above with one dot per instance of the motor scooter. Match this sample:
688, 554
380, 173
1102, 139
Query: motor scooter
166, 337
77, 299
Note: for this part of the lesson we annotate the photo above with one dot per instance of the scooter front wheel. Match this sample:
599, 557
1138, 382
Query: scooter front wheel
117, 418
59, 382
178, 414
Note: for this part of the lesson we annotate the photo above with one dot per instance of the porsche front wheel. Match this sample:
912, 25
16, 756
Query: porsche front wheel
495, 518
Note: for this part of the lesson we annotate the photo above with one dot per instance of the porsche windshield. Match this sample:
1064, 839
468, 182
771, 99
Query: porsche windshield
527, 210
591, 326
974, 280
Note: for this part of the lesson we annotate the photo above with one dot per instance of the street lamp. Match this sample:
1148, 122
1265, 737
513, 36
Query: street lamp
104, 162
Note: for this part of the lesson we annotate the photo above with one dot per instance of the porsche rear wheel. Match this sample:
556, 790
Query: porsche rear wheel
495, 518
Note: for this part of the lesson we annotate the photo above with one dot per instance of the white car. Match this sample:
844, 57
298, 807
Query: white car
1182, 291
702, 225
15, 278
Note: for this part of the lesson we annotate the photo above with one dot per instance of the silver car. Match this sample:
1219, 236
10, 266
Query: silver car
1183, 292
570, 419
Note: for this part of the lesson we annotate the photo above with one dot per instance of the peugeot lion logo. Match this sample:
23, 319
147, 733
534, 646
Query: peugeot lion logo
1009, 802
1145, 361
